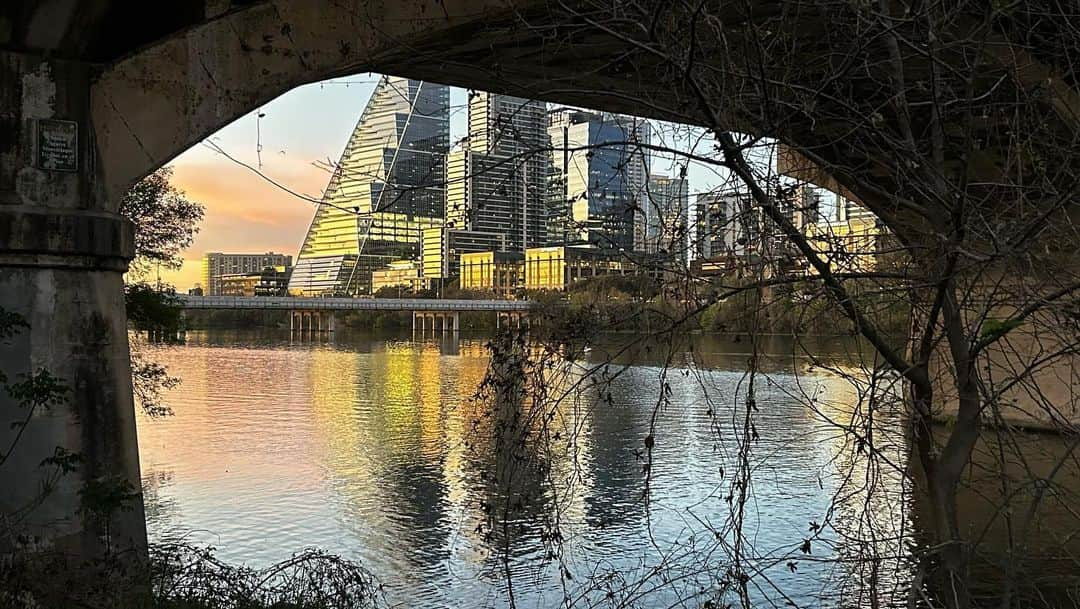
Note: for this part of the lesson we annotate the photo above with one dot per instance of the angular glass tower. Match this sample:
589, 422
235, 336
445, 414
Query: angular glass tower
387, 188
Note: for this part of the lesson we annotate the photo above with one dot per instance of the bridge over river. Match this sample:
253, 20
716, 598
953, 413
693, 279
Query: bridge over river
319, 314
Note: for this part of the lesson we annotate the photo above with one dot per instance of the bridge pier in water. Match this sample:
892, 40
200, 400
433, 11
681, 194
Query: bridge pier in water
444, 321
312, 322
511, 319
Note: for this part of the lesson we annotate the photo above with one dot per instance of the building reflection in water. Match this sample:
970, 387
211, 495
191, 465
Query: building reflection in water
375, 447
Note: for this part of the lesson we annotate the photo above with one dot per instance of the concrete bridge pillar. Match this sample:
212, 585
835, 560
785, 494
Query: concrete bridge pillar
63, 251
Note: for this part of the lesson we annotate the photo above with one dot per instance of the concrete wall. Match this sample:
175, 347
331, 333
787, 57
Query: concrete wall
62, 255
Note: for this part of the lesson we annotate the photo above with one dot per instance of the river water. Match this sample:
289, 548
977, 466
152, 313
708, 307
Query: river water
376, 448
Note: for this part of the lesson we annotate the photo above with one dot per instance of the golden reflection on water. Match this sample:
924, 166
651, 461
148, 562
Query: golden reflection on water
376, 449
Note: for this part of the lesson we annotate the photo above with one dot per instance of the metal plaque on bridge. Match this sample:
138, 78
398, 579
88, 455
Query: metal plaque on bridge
58, 145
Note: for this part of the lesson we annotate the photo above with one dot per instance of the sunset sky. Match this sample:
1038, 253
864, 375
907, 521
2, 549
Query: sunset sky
244, 211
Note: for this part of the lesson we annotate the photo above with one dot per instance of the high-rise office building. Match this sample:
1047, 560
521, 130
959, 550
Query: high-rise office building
387, 188
496, 179
216, 265
668, 219
597, 180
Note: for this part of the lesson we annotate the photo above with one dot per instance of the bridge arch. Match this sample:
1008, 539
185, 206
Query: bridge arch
157, 101
134, 103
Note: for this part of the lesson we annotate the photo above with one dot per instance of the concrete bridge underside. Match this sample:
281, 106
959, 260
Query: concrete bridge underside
141, 82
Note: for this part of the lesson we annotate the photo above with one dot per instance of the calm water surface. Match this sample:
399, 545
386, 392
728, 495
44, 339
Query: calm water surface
373, 447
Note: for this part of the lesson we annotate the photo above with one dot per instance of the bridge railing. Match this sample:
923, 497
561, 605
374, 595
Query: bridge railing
187, 301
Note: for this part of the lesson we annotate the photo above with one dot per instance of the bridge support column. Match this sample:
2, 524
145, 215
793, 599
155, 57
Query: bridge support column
63, 252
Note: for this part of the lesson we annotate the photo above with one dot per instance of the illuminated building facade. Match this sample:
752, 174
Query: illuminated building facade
216, 265
271, 281
557, 267
385, 191
443, 248
597, 180
404, 274
498, 272
845, 234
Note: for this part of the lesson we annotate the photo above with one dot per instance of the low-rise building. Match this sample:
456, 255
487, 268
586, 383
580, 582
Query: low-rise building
850, 244
497, 272
556, 268
270, 281
443, 247
217, 265
404, 274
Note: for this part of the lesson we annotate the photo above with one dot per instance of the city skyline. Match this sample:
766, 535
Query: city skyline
292, 140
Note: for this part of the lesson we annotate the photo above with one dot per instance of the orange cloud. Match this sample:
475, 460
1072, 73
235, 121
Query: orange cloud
244, 211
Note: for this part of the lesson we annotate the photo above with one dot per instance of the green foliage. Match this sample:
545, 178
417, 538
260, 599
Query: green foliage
477, 320
151, 309
165, 220
376, 320
63, 460
784, 309
616, 287
37, 391
455, 294
235, 318
40, 389
394, 291
734, 314
11, 324
995, 328
104, 497
148, 380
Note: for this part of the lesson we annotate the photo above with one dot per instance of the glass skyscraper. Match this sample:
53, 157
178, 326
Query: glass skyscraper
387, 188
497, 180
668, 216
597, 190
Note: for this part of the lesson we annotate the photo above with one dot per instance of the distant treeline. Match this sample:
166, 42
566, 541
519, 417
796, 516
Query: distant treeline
624, 304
